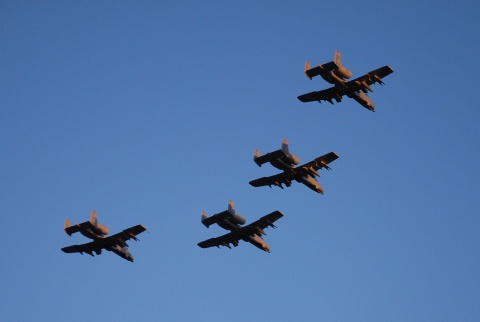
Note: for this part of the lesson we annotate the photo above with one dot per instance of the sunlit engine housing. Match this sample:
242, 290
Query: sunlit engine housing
101, 229
294, 159
238, 219
343, 72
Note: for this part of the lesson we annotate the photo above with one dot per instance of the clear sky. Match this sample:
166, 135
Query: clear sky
149, 113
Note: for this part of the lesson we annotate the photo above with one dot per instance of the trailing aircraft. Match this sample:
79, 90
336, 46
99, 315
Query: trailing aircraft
335, 73
284, 160
94, 230
230, 220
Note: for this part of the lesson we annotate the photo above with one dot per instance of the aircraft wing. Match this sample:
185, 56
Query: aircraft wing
88, 248
129, 233
311, 168
285, 178
363, 83
224, 240
318, 163
327, 95
257, 227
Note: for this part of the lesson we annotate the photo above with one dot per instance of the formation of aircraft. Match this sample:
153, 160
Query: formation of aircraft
94, 230
232, 221
284, 160
335, 73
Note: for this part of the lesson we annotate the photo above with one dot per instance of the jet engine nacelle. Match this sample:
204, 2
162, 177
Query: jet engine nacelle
343, 72
101, 229
239, 219
294, 159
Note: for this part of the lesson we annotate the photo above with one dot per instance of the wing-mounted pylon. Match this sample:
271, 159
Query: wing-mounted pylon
311, 171
69, 229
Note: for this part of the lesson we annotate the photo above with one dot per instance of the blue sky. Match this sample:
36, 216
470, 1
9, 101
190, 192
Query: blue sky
149, 113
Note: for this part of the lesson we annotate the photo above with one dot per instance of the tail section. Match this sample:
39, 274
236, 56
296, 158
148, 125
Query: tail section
204, 217
66, 226
338, 58
99, 228
231, 207
235, 217
285, 146
341, 71
307, 68
94, 218
256, 155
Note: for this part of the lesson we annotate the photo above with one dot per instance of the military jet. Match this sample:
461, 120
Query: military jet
284, 160
335, 73
96, 231
232, 221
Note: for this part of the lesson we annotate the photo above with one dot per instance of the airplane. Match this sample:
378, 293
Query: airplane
335, 73
232, 221
284, 160
94, 230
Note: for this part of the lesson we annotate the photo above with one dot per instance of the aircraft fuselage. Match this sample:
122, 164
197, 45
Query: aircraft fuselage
332, 78
281, 165
119, 247
259, 242
307, 180
286, 162
312, 183
122, 252
363, 99
237, 230
89, 233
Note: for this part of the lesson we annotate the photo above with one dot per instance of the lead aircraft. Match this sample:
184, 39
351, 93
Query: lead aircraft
284, 160
232, 221
94, 230
335, 73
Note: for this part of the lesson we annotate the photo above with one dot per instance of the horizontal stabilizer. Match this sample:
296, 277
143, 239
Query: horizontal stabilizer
207, 221
315, 71
69, 229
269, 156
